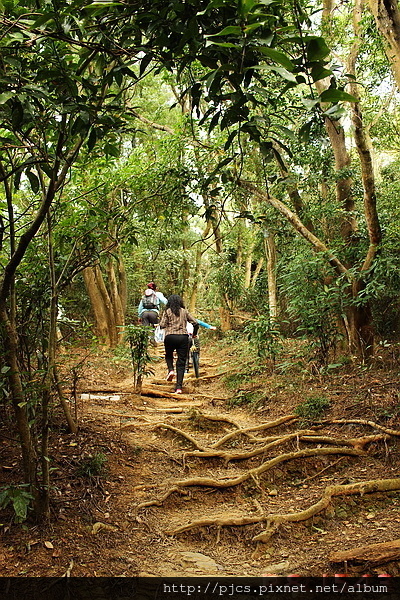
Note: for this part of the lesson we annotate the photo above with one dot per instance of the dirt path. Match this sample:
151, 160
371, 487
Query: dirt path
169, 459
162, 432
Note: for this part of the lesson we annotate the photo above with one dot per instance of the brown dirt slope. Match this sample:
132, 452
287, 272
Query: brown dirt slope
199, 485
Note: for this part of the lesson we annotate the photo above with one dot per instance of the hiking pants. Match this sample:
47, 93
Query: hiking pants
180, 343
149, 317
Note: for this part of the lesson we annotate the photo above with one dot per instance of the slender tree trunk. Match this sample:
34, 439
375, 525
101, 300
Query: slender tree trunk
116, 304
387, 19
122, 284
292, 190
360, 316
248, 265
224, 309
185, 266
344, 183
197, 269
270, 253
257, 271
101, 305
43, 510
10, 337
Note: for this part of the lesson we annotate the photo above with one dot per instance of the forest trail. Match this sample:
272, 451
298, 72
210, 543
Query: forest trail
170, 483
191, 480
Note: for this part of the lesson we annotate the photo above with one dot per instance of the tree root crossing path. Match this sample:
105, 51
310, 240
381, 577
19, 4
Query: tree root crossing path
210, 488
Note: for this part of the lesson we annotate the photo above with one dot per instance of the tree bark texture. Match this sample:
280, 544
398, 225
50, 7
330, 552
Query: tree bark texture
103, 311
387, 18
344, 183
270, 253
197, 268
10, 338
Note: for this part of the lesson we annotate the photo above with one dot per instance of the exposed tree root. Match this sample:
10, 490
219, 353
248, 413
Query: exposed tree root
219, 521
371, 553
358, 443
180, 432
274, 520
161, 500
218, 418
266, 466
228, 456
152, 393
302, 435
363, 487
387, 430
246, 430
256, 472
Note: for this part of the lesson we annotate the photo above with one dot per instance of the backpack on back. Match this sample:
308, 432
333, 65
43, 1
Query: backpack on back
150, 300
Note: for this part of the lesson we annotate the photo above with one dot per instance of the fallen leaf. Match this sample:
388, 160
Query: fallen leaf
48, 545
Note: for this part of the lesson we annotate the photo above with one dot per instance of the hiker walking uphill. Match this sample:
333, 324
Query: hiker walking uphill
149, 305
174, 320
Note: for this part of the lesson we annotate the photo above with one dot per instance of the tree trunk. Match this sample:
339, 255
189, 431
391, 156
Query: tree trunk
387, 19
360, 317
102, 307
270, 253
360, 326
10, 337
257, 271
116, 304
292, 190
197, 269
248, 264
344, 183
122, 284
225, 318
364, 149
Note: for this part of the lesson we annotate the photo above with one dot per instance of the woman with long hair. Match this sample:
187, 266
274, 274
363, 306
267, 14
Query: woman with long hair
174, 320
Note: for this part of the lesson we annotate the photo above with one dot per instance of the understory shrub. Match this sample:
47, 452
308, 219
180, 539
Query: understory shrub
312, 408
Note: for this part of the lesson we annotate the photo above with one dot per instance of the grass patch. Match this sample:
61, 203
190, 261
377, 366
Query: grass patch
312, 408
93, 466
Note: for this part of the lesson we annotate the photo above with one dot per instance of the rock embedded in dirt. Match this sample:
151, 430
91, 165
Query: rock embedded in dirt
282, 567
201, 561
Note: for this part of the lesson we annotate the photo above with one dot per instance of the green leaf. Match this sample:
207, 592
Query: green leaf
288, 132
309, 102
17, 116
335, 95
222, 44
5, 96
304, 132
285, 74
111, 150
319, 72
335, 112
317, 49
213, 4
92, 140
34, 181
20, 505
280, 70
43, 19
245, 6
230, 30
278, 57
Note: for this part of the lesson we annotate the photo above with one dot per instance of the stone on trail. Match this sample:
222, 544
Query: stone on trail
201, 561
